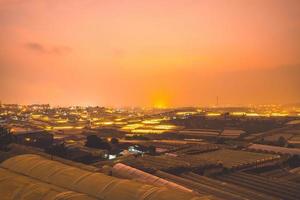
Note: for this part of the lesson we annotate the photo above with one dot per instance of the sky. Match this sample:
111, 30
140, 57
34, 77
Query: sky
150, 53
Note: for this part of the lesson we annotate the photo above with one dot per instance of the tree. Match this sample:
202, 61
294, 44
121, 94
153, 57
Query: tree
220, 140
282, 141
152, 150
5, 137
57, 150
93, 141
114, 141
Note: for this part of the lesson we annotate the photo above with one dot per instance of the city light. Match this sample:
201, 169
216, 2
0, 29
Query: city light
213, 114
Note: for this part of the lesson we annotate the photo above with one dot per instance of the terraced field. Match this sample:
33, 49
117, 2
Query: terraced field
169, 163
230, 188
275, 137
199, 187
274, 188
208, 186
282, 174
237, 159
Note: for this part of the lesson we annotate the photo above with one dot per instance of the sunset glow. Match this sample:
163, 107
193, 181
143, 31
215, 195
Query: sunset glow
149, 99
150, 53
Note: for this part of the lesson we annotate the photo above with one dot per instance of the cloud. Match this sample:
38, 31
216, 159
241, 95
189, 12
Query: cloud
40, 48
36, 47
60, 50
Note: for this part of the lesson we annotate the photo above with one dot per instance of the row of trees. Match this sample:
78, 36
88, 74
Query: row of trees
93, 141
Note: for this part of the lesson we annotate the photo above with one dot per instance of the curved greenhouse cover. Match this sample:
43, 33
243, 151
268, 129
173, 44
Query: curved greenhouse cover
94, 185
14, 186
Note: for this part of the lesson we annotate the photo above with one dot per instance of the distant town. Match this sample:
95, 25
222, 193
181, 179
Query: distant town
206, 152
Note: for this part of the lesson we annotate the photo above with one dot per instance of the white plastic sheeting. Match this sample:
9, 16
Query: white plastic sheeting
96, 185
124, 171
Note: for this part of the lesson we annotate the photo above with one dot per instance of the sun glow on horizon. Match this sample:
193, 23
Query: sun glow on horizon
158, 54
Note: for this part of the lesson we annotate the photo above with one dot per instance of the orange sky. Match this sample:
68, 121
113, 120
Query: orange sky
142, 53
